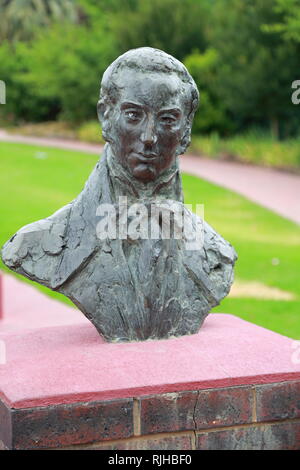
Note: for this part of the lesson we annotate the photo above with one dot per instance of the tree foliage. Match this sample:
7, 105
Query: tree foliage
289, 23
174, 26
244, 56
20, 19
256, 67
204, 68
59, 68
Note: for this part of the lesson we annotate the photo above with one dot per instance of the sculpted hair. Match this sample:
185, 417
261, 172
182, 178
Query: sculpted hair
145, 60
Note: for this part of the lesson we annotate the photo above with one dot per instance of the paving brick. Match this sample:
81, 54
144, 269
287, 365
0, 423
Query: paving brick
196, 410
280, 436
168, 412
2, 446
64, 425
278, 401
5, 425
224, 407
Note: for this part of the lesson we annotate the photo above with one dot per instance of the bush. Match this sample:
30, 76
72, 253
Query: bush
56, 129
62, 66
22, 102
252, 147
90, 132
212, 114
57, 75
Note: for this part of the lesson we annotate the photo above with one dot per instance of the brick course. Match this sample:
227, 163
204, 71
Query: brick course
283, 436
168, 412
195, 410
242, 417
63, 425
149, 443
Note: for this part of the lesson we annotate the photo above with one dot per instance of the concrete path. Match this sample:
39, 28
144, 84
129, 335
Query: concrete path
273, 189
25, 308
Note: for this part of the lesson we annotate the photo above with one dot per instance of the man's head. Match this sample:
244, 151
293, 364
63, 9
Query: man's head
147, 104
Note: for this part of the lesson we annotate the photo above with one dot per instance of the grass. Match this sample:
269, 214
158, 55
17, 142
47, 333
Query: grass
37, 181
268, 250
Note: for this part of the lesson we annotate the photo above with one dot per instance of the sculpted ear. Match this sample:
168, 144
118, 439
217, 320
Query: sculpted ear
186, 138
101, 108
185, 141
103, 111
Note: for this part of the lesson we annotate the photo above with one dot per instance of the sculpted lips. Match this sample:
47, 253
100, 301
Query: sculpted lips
144, 165
146, 157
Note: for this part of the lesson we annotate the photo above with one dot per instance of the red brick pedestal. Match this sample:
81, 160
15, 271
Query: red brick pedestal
233, 385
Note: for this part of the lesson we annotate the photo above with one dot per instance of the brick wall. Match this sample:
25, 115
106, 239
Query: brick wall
245, 417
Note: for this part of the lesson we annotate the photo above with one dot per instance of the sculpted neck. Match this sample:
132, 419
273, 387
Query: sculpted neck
165, 186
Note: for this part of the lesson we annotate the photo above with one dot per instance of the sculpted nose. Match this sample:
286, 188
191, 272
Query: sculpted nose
148, 136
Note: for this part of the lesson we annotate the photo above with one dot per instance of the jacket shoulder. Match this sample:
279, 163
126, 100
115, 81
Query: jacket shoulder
35, 249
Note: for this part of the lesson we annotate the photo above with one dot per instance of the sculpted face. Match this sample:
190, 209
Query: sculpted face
148, 123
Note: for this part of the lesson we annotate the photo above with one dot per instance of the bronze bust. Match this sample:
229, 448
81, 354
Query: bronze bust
132, 288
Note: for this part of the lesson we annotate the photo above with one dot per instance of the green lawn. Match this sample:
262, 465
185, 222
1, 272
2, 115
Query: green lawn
37, 181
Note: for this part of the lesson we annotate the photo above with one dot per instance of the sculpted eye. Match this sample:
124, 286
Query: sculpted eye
132, 115
168, 119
